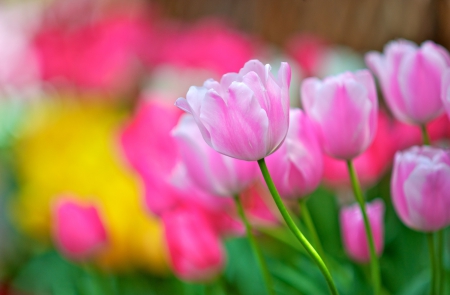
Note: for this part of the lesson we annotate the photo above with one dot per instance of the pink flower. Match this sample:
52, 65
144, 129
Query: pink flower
410, 78
420, 188
373, 162
344, 108
78, 229
246, 115
209, 44
209, 170
196, 252
152, 152
445, 91
354, 234
297, 166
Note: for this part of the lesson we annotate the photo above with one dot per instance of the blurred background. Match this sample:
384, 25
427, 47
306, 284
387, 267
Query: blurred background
83, 84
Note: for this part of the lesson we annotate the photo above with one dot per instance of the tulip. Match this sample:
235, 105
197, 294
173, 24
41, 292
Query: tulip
445, 91
213, 172
420, 188
410, 79
297, 166
195, 250
344, 108
78, 229
245, 115
353, 232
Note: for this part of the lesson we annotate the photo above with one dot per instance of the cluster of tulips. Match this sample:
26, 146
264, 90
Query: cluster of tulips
195, 165
245, 118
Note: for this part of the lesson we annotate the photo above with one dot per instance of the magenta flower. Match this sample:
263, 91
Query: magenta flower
245, 115
297, 166
353, 232
195, 250
78, 229
410, 78
420, 188
344, 108
209, 170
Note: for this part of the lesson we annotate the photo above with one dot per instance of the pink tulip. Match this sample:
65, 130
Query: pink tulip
209, 170
344, 108
420, 188
246, 115
354, 234
445, 91
195, 250
78, 229
372, 163
297, 166
410, 78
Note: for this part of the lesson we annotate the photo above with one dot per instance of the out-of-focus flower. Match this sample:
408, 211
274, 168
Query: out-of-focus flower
19, 61
196, 252
101, 56
213, 172
353, 232
344, 108
297, 166
410, 78
308, 51
210, 44
420, 188
246, 115
72, 148
78, 229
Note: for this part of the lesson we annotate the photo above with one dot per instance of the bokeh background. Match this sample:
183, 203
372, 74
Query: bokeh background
76, 74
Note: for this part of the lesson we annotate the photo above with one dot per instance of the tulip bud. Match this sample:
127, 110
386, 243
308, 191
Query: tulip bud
245, 115
297, 166
353, 230
78, 229
344, 108
213, 172
420, 188
196, 252
410, 78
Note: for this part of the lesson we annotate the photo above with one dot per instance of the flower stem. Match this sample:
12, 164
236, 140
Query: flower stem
440, 260
311, 228
256, 249
294, 229
375, 268
433, 261
425, 135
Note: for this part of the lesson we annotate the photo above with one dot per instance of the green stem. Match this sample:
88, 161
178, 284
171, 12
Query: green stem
431, 248
297, 233
311, 228
425, 136
440, 260
375, 268
255, 247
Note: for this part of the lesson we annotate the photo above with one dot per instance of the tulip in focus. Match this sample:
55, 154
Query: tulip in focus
196, 252
420, 188
344, 108
297, 166
353, 232
410, 78
246, 114
78, 229
209, 170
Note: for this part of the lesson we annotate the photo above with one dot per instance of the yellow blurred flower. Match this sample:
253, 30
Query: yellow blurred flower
72, 147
